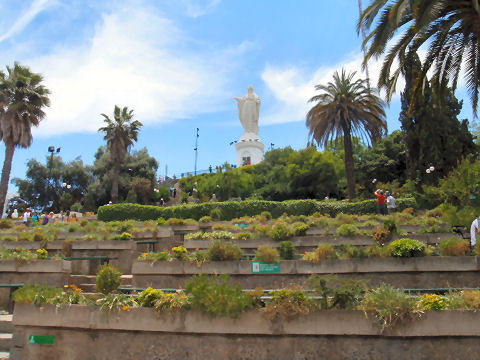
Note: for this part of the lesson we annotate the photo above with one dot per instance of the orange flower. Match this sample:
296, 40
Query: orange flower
125, 308
145, 253
78, 289
196, 249
163, 252
169, 294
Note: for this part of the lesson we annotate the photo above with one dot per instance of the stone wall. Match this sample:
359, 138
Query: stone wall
81, 332
424, 272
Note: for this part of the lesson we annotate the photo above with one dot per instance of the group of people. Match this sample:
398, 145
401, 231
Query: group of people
30, 217
382, 198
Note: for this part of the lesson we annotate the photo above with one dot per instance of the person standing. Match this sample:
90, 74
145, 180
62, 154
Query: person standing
26, 216
390, 202
380, 201
474, 228
174, 192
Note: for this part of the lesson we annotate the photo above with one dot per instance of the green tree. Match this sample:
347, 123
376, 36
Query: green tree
448, 27
22, 99
120, 134
42, 188
433, 133
346, 108
137, 165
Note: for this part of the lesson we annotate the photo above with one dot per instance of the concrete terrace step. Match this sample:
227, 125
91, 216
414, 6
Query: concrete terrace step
6, 325
4, 355
5, 342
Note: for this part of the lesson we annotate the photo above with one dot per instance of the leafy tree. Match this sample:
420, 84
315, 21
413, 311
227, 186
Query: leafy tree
448, 27
385, 161
137, 165
433, 134
42, 188
346, 108
120, 134
22, 99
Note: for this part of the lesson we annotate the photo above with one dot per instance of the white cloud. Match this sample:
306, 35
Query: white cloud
28, 16
292, 87
136, 59
197, 8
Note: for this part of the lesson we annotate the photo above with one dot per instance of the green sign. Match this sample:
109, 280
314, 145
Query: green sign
259, 267
241, 226
41, 339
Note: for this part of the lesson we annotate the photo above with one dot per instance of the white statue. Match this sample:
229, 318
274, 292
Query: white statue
249, 111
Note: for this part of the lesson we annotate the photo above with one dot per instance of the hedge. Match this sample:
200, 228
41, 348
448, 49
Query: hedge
234, 209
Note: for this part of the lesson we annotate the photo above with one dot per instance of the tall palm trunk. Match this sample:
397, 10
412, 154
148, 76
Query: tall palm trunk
116, 175
7, 167
349, 167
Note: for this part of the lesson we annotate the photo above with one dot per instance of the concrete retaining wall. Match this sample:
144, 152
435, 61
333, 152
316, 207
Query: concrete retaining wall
425, 272
51, 272
140, 333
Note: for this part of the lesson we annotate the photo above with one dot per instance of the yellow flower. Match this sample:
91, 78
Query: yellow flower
65, 286
132, 299
125, 308
169, 294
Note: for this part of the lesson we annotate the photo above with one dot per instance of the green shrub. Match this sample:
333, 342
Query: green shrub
344, 218
42, 254
390, 225
347, 230
39, 235
244, 235
36, 294
407, 248
351, 252
6, 224
221, 250
453, 246
205, 219
432, 302
280, 231
286, 250
335, 292
390, 305
126, 236
179, 252
263, 230
287, 303
149, 296
266, 214
300, 229
161, 221
108, 279
83, 223
215, 296
24, 236
155, 256
91, 237
76, 207
266, 254
74, 228
323, 251
228, 210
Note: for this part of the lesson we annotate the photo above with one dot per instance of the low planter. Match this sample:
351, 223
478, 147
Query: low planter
424, 272
333, 334
50, 272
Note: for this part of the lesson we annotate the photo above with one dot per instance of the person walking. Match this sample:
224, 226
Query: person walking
390, 202
380, 201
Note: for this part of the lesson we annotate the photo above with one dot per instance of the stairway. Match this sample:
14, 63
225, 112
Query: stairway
6, 334
87, 282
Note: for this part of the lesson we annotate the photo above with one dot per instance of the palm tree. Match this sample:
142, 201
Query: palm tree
120, 134
449, 29
22, 99
346, 108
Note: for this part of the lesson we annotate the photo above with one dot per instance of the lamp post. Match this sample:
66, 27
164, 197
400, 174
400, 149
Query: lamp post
51, 150
196, 151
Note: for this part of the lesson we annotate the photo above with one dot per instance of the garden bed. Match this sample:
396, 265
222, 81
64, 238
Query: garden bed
422, 272
310, 242
332, 334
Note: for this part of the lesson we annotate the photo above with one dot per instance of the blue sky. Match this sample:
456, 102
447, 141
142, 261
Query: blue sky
177, 64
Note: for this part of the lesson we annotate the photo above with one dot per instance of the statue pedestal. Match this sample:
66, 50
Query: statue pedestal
249, 150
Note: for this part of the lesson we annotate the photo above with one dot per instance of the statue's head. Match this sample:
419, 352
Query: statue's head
250, 89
